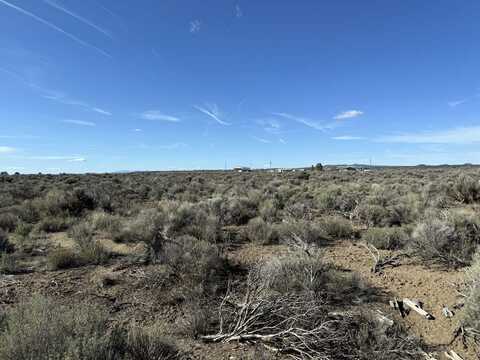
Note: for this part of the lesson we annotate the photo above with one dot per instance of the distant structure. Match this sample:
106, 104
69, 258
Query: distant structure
242, 169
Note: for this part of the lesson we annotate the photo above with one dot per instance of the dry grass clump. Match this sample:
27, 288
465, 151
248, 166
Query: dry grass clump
386, 238
90, 251
466, 189
62, 258
8, 221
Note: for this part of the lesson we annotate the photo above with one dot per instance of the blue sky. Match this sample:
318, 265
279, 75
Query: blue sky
107, 85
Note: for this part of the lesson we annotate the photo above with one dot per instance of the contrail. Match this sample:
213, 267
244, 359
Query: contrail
54, 27
57, 6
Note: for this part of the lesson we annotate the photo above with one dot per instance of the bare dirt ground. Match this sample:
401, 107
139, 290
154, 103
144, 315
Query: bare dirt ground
136, 293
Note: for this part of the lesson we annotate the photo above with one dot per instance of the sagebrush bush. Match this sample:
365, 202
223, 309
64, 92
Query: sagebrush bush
43, 329
450, 241
261, 232
8, 264
386, 238
149, 344
337, 227
62, 258
471, 317
307, 231
90, 251
466, 189
8, 222
198, 263
53, 224
372, 215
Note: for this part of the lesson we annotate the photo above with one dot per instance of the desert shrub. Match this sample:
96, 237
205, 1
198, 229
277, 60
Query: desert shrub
308, 232
197, 263
59, 259
466, 189
23, 229
334, 198
5, 245
196, 320
300, 325
8, 264
310, 275
106, 222
43, 329
259, 231
54, 224
8, 222
191, 219
269, 210
337, 227
28, 212
450, 241
148, 344
386, 238
372, 215
90, 251
240, 210
147, 227
471, 318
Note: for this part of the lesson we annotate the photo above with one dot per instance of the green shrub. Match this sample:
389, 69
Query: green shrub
337, 227
386, 238
108, 223
261, 232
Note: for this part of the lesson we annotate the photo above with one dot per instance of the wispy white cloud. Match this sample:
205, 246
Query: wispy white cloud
58, 6
307, 122
349, 114
80, 159
54, 95
212, 111
282, 141
195, 26
265, 141
101, 111
7, 150
80, 122
347, 137
158, 116
463, 101
238, 11
137, 130
460, 135
54, 27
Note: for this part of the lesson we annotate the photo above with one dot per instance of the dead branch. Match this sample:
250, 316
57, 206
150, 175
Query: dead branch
453, 355
380, 262
416, 306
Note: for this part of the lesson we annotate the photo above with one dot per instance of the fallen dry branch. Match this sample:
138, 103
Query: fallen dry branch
416, 306
452, 355
381, 261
